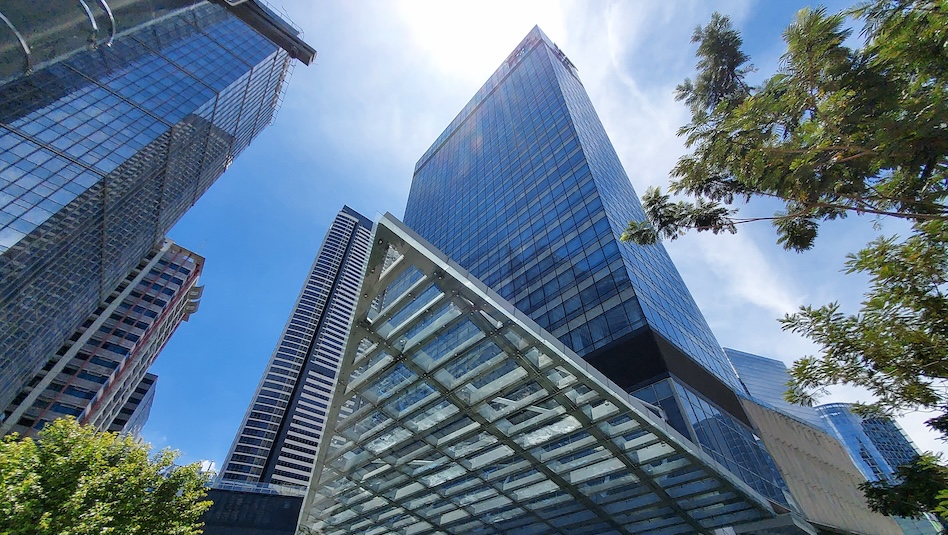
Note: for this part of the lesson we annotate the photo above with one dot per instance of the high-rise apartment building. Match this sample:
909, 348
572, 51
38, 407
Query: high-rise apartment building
525, 190
113, 122
99, 376
277, 441
133, 416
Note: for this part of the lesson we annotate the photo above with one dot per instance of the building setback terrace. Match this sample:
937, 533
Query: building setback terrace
455, 413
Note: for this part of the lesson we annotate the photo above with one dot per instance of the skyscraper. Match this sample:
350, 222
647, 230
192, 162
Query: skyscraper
277, 441
525, 190
512, 368
99, 376
112, 124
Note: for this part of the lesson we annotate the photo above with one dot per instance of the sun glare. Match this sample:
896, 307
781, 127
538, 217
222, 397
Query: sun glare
469, 41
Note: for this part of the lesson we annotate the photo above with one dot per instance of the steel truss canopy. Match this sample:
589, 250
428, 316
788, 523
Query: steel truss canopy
455, 413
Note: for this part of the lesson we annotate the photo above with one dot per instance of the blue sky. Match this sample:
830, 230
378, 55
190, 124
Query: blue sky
388, 79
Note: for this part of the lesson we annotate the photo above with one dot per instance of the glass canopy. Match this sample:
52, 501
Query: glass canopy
455, 413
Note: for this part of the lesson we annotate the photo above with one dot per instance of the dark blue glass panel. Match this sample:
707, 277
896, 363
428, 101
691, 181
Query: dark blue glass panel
525, 190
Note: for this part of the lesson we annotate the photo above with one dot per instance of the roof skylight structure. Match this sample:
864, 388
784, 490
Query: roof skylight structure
455, 413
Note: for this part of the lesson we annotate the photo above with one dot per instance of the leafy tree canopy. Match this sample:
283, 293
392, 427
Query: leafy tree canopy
75, 480
919, 488
896, 345
835, 131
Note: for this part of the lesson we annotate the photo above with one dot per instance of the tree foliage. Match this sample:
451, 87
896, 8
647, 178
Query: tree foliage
896, 346
77, 481
835, 131
919, 486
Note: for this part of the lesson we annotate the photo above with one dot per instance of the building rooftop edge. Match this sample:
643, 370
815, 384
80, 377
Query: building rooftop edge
533, 37
272, 26
729, 350
365, 221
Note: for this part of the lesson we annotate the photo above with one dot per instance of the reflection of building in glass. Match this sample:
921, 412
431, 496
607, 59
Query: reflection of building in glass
766, 381
277, 441
99, 376
525, 190
849, 429
103, 148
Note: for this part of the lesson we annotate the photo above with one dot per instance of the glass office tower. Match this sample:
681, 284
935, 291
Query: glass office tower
525, 190
277, 441
107, 139
877, 445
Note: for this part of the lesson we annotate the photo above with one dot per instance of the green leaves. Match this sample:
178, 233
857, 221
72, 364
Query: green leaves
671, 220
918, 487
721, 68
897, 345
835, 131
77, 481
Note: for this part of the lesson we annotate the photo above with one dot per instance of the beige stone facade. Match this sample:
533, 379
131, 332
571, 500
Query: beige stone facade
819, 474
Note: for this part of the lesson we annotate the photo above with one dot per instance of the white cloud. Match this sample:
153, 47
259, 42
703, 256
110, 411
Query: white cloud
746, 272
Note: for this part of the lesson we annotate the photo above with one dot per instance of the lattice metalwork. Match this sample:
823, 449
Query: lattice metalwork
461, 415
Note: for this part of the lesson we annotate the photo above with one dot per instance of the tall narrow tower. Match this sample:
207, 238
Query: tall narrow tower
545, 199
277, 441
525, 190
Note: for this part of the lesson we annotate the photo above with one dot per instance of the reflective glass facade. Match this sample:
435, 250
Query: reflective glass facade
277, 441
104, 149
525, 189
456, 413
99, 376
877, 445
720, 435
766, 381
34, 37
